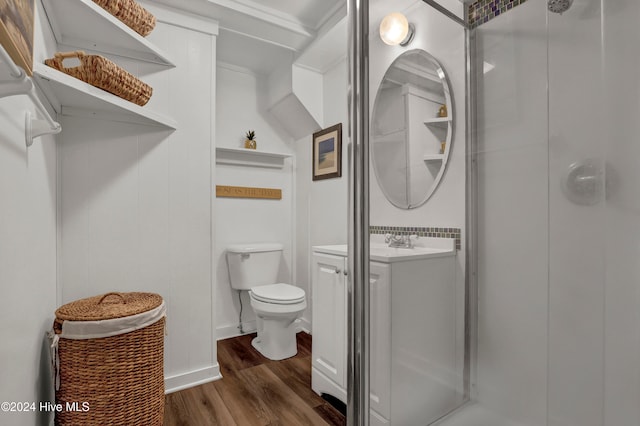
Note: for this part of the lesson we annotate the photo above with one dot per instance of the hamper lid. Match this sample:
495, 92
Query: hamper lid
108, 306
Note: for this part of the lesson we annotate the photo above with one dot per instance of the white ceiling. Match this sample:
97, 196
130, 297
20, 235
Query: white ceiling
256, 55
310, 13
260, 35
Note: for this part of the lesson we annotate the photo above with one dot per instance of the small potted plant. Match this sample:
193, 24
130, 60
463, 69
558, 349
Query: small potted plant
251, 142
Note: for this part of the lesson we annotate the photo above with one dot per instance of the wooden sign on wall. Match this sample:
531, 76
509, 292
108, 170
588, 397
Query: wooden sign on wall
248, 192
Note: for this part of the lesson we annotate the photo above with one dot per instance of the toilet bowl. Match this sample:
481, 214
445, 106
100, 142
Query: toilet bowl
278, 306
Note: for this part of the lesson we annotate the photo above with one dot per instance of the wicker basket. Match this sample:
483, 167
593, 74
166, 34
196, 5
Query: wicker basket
104, 74
131, 14
114, 380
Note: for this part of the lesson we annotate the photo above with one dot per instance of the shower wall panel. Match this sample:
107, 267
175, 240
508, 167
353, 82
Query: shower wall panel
577, 118
620, 104
513, 217
558, 282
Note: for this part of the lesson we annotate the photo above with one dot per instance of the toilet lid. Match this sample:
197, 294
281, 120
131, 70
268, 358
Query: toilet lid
284, 294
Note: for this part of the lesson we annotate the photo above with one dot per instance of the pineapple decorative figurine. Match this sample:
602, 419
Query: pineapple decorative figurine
250, 142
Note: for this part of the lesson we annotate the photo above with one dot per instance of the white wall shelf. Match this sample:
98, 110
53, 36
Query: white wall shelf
250, 157
84, 24
70, 96
441, 122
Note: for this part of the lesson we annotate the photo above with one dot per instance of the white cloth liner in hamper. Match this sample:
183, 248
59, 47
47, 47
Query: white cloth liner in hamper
81, 330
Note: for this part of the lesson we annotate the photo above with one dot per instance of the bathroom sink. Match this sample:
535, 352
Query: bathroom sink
383, 253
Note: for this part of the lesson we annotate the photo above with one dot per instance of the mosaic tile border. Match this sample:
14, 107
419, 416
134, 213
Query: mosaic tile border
420, 231
482, 11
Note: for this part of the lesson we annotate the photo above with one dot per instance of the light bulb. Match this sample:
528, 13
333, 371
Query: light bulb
396, 29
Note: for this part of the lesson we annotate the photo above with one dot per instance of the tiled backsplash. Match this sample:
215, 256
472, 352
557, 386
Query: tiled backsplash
419, 231
482, 11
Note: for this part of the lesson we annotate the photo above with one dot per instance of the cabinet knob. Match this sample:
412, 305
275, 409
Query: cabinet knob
345, 272
338, 271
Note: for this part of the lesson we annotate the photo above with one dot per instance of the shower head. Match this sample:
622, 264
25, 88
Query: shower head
559, 6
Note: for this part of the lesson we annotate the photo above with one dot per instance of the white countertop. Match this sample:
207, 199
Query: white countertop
383, 253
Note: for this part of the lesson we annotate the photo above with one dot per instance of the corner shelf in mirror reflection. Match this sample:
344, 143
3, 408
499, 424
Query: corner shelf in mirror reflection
433, 157
392, 136
441, 122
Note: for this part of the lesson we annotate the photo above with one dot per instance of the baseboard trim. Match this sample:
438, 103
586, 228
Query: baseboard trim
191, 379
304, 325
229, 331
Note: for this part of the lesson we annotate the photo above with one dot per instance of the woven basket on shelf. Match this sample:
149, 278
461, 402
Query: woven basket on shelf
118, 379
104, 74
131, 14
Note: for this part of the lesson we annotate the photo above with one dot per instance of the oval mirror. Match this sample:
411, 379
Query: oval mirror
411, 129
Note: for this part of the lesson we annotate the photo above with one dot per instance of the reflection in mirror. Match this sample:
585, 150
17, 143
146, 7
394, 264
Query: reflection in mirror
411, 129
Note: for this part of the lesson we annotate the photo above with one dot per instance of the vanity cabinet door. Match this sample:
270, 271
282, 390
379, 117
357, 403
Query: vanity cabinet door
329, 312
380, 339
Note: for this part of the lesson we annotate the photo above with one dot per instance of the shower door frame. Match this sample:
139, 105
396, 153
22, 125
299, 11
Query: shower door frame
358, 297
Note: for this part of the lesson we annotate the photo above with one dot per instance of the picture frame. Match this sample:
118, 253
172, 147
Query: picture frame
327, 153
16, 31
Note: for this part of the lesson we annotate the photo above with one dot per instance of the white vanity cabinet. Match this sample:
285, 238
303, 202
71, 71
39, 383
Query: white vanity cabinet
329, 310
405, 283
329, 330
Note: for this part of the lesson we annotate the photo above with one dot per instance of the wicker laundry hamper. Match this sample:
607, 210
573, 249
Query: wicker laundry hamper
108, 359
131, 14
104, 74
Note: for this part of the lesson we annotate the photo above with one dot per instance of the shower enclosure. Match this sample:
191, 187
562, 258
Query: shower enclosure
540, 195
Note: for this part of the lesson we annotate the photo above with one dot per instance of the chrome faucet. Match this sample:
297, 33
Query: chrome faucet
397, 240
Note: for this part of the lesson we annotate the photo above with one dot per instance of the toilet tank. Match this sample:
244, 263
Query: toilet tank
252, 265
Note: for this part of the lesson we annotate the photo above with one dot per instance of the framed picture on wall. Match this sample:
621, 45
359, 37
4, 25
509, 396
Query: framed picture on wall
327, 153
16, 31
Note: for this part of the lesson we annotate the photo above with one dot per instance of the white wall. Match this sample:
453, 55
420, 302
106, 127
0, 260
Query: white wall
27, 254
243, 220
135, 201
444, 40
322, 206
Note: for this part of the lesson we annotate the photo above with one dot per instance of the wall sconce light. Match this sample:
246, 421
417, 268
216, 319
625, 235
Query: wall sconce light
396, 29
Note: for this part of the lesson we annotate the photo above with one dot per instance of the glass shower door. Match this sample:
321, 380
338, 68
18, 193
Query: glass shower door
419, 364
553, 171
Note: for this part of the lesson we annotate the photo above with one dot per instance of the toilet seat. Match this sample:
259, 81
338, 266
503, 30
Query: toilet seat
280, 294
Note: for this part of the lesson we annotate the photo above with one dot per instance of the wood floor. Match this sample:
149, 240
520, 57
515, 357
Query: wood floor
254, 391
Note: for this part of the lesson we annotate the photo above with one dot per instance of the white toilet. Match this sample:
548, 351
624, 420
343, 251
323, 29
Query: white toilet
254, 267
